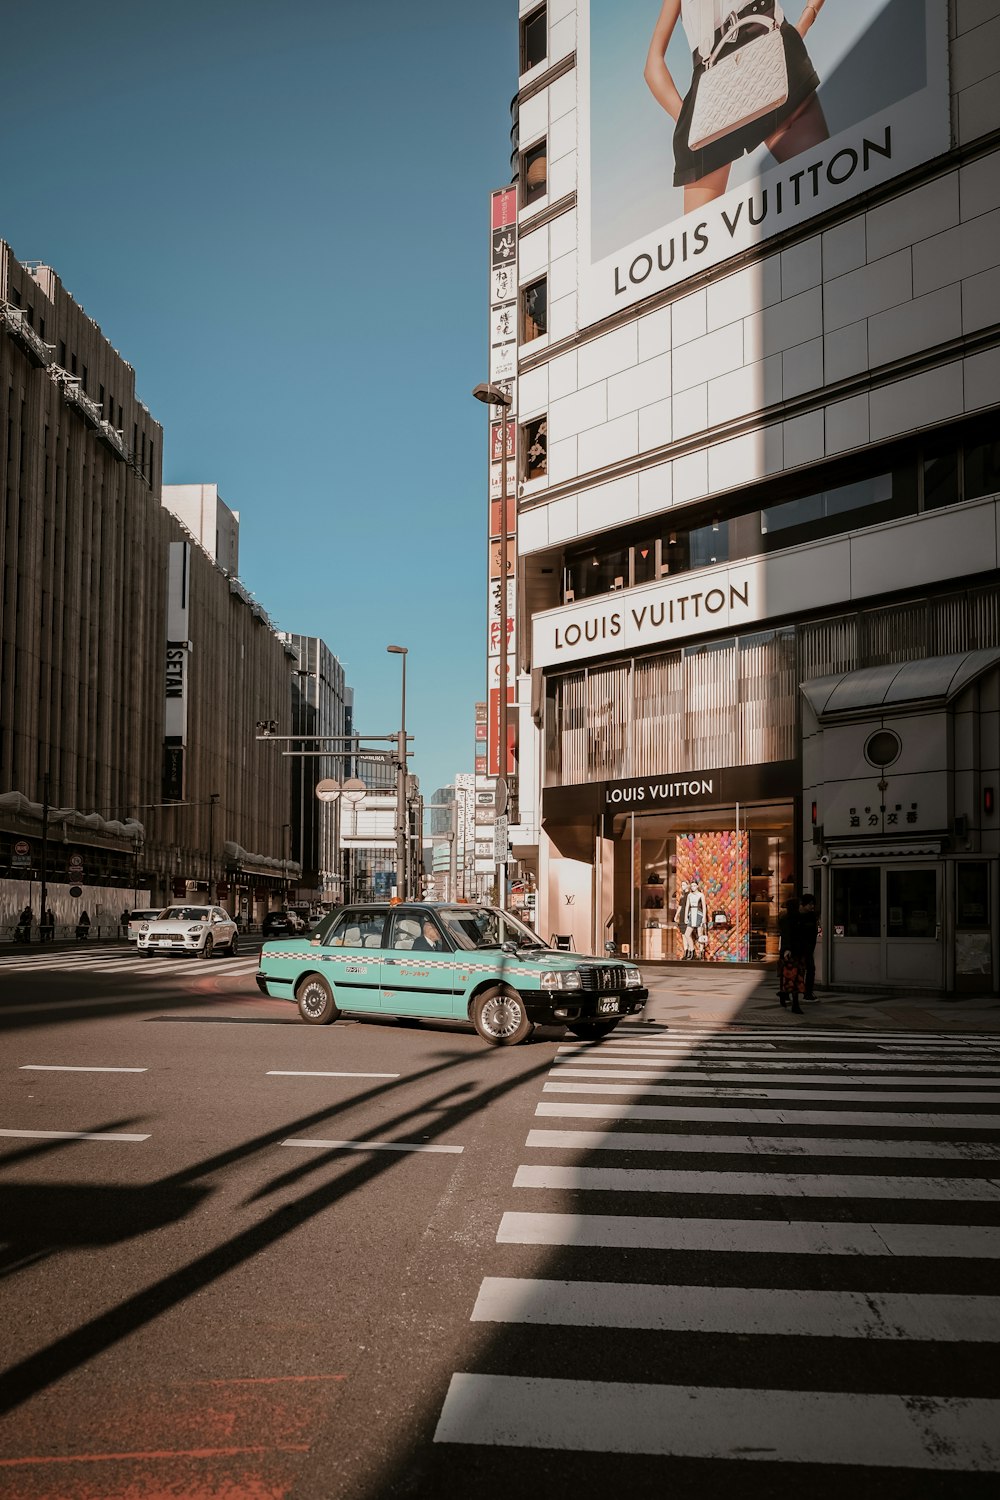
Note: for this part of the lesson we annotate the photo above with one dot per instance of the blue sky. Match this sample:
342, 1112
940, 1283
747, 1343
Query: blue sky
279, 216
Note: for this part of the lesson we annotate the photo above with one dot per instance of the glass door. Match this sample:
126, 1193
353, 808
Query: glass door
887, 926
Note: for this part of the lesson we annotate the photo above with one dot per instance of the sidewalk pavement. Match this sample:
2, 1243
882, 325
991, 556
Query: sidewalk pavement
716, 996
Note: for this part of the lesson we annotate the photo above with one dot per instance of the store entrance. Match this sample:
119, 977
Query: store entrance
887, 925
702, 887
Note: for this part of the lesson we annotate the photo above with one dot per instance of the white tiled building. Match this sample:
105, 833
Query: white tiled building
772, 457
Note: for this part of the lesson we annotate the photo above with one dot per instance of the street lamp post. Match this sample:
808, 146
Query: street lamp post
213, 798
402, 812
494, 395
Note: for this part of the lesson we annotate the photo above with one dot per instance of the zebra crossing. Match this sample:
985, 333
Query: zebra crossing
726, 1273
121, 961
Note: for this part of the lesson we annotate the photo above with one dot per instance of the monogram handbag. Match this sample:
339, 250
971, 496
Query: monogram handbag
745, 75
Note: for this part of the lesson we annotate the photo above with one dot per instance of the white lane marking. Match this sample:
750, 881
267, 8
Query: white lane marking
76, 1068
851, 1096
857, 1062
757, 1184
817, 1427
741, 1310
795, 1117
759, 1145
295, 1073
374, 1146
72, 1135
635, 1071
749, 1236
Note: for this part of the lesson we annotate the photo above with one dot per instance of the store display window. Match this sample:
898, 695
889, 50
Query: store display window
702, 886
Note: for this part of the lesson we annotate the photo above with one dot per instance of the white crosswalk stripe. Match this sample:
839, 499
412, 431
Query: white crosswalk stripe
118, 961
895, 1205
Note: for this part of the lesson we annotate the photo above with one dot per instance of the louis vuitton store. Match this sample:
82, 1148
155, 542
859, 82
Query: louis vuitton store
691, 867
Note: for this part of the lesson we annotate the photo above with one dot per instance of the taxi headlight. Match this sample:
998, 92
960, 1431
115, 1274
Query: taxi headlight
561, 979
633, 979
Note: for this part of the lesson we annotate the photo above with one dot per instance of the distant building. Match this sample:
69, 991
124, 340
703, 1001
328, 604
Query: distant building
209, 519
319, 700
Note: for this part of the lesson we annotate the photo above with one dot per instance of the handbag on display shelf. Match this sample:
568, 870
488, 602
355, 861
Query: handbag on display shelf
745, 74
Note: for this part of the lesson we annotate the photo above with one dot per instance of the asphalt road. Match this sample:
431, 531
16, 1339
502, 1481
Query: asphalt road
251, 1259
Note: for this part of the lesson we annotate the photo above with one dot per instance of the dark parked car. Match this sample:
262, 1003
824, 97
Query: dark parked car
281, 924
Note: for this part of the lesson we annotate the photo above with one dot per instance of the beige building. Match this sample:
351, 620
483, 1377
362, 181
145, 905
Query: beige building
99, 726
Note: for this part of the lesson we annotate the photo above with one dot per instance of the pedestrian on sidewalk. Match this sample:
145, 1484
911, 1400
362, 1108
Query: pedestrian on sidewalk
22, 932
809, 927
47, 926
791, 959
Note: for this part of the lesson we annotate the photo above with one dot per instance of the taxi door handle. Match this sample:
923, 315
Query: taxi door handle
388, 960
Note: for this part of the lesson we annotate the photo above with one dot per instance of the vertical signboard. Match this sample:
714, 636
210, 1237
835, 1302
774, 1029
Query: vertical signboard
176, 671
502, 470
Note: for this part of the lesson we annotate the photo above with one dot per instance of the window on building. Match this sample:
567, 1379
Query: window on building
534, 39
982, 469
72, 364
941, 480
534, 173
835, 502
41, 328
14, 296
31, 316
645, 562
62, 353
534, 310
534, 447
709, 544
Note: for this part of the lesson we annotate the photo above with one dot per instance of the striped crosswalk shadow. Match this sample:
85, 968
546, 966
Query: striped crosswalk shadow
91, 961
831, 1202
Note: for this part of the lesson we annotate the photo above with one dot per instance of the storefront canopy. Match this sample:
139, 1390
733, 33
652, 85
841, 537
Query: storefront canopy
931, 682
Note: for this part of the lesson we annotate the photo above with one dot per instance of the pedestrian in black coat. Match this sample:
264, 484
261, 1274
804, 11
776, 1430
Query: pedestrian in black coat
809, 929
791, 964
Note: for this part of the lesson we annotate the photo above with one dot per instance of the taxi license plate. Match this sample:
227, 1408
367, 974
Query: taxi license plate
608, 1006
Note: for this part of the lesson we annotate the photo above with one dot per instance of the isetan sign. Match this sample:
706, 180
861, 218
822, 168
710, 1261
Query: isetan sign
703, 602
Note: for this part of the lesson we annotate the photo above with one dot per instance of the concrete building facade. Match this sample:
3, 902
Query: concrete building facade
756, 435
133, 667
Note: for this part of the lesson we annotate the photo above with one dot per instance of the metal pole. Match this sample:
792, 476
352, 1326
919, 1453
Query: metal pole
502, 726
453, 853
213, 798
45, 851
402, 839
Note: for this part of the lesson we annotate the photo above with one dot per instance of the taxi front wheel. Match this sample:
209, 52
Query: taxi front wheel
316, 1002
500, 1018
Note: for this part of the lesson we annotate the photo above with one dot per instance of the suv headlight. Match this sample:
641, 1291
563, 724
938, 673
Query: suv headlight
633, 979
561, 979
144, 927
194, 931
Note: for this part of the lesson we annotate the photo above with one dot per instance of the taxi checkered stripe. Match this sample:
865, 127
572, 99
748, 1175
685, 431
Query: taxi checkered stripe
359, 955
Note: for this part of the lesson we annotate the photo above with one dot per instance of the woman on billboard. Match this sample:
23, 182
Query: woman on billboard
753, 83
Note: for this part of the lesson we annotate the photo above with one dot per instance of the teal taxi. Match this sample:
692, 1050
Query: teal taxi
431, 960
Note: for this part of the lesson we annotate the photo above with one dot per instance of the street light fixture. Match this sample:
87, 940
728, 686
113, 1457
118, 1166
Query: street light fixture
402, 886
494, 395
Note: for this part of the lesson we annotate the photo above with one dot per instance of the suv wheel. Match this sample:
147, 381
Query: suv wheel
206, 952
500, 1018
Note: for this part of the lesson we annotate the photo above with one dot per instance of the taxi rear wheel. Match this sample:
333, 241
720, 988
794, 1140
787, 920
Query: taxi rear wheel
500, 1018
592, 1031
316, 1002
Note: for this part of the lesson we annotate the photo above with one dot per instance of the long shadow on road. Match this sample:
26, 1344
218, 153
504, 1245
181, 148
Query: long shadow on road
47, 1220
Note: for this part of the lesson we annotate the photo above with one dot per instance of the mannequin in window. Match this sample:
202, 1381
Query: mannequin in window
694, 920
680, 921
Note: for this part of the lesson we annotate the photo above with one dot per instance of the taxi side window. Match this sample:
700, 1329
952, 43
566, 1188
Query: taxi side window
372, 930
347, 931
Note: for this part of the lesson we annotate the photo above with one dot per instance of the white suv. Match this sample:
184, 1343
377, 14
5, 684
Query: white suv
198, 930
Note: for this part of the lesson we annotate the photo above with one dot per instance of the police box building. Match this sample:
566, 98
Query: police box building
758, 471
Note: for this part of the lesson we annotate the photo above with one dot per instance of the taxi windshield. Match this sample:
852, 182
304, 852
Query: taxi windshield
486, 927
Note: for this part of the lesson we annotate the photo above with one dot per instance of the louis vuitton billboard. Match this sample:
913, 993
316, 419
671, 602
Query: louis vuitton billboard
708, 126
